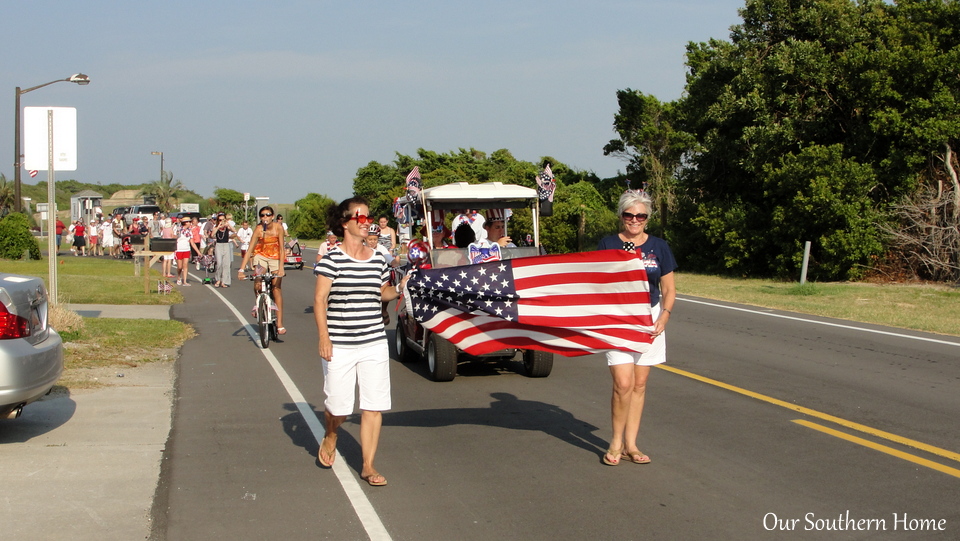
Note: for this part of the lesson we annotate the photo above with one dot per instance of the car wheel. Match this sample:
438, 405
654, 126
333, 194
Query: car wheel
404, 353
537, 364
442, 358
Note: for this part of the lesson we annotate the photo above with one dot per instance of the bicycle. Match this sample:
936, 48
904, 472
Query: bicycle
265, 308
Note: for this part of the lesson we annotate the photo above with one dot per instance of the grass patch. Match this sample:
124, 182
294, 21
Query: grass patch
922, 307
106, 343
90, 280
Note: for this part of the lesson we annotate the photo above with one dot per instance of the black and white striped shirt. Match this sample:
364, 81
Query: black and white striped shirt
354, 316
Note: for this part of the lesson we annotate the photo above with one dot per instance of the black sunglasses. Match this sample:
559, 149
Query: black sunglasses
642, 217
266, 215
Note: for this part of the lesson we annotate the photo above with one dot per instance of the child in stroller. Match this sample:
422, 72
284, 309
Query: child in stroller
126, 248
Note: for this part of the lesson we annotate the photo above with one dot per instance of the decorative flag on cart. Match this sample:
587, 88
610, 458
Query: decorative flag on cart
546, 186
413, 183
570, 304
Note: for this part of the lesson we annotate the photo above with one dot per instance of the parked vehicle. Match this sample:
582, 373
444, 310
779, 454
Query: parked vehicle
31, 352
175, 217
140, 211
119, 211
413, 342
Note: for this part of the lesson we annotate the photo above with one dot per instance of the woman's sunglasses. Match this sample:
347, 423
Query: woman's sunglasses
642, 217
361, 219
266, 215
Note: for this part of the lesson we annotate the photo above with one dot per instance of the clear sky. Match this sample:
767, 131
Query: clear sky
284, 98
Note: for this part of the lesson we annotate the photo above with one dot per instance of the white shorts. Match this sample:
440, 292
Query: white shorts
656, 355
367, 366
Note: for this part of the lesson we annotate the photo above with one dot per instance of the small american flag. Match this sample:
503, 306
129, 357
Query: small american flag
413, 182
571, 304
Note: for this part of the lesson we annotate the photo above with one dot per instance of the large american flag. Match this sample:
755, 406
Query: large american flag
571, 304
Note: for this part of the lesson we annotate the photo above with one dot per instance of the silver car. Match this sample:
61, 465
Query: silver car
31, 352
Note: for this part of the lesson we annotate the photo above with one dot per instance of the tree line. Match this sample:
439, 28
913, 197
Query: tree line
830, 121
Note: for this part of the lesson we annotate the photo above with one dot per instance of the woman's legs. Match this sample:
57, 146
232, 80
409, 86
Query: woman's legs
278, 299
635, 410
620, 402
370, 424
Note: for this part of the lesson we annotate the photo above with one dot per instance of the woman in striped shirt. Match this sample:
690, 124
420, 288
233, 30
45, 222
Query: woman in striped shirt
352, 281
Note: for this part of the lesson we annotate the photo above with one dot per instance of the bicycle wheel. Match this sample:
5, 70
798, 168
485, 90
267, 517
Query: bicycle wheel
263, 319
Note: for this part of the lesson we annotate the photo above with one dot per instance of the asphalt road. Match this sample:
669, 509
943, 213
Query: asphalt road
760, 427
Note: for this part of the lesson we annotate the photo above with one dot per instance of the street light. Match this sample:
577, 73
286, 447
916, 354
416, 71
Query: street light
156, 153
78, 78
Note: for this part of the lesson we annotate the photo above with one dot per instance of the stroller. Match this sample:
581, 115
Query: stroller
294, 255
126, 248
208, 264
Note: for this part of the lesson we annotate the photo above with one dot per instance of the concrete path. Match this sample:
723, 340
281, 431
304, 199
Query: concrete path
84, 464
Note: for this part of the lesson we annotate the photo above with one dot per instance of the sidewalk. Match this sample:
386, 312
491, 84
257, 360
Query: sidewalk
84, 465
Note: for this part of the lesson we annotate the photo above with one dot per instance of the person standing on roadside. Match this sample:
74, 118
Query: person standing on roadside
631, 370
244, 234
352, 281
59, 229
185, 247
387, 236
167, 232
223, 251
80, 238
266, 245
93, 238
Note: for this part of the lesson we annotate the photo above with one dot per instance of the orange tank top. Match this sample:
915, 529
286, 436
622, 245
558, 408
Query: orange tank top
268, 247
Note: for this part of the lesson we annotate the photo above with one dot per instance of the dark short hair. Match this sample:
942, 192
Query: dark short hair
336, 216
464, 235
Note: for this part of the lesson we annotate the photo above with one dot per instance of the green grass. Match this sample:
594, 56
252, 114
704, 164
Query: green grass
110, 343
90, 280
922, 307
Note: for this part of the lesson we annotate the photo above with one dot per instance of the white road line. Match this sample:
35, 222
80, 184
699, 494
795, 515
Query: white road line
361, 505
851, 327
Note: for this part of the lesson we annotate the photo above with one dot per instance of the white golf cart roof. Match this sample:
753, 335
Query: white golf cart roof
489, 195
461, 195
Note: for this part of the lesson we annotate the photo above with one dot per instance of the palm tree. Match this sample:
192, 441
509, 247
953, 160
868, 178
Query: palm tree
166, 191
7, 194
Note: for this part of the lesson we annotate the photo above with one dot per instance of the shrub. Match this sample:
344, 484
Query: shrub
16, 239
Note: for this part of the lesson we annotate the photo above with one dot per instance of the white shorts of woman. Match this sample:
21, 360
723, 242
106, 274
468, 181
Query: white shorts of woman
656, 355
368, 367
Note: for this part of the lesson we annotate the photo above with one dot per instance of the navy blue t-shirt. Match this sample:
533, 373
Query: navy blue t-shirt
657, 260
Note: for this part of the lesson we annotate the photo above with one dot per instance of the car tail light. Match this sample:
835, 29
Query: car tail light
12, 325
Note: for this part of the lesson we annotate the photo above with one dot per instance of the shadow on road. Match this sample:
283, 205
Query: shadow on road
506, 411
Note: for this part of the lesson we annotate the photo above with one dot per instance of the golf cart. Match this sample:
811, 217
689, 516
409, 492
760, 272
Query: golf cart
413, 342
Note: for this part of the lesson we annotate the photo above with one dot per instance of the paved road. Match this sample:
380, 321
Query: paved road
762, 426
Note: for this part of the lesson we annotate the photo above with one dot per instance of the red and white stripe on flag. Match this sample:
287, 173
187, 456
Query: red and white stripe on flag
33, 172
570, 304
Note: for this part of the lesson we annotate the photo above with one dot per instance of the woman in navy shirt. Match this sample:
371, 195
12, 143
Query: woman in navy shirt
631, 370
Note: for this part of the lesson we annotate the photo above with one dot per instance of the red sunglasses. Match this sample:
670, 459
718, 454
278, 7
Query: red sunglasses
361, 219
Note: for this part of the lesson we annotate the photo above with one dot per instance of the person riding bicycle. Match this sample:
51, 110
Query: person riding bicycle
266, 247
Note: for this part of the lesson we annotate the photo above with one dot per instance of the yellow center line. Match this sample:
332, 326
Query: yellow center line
820, 415
882, 448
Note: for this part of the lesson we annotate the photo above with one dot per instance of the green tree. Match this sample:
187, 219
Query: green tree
653, 145
165, 191
227, 200
309, 219
7, 195
844, 102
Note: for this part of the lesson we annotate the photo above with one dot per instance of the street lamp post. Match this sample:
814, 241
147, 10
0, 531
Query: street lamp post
78, 78
156, 153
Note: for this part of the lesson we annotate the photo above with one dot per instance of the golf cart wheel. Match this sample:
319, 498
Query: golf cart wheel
441, 358
537, 364
404, 353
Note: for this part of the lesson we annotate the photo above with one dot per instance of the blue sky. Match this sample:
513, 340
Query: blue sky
289, 97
